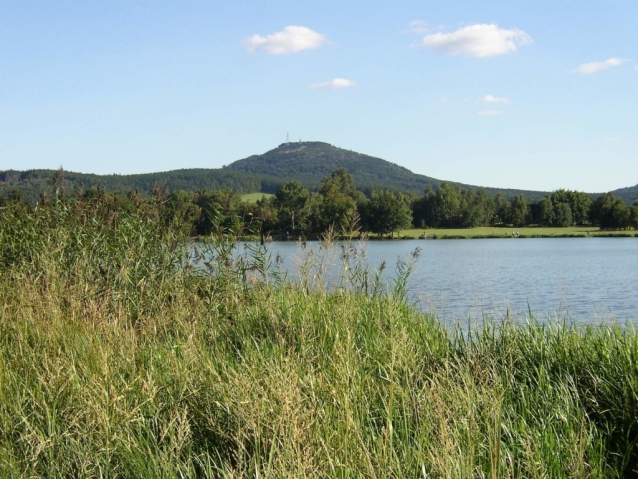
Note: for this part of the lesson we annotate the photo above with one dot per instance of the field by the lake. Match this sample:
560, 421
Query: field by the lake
119, 360
510, 232
254, 197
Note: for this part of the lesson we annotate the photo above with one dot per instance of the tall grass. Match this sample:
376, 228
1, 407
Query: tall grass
116, 360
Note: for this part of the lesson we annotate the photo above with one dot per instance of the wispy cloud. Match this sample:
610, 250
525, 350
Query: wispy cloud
489, 113
612, 138
443, 99
593, 67
334, 84
495, 99
419, 26
479, 41
291, 39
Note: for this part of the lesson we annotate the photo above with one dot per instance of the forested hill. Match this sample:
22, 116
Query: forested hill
311, 161
34, 182
629, 194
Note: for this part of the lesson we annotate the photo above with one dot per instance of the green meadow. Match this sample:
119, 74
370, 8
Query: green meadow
120, 358
254, 197
511, 232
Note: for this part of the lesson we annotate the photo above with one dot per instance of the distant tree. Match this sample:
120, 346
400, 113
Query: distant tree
633, 215
448, 205
180, 211
340, 180
291, 201
519, 212
563, 215
477, 208
546, 212
339, 200
620, 215
262, 217
334, 210
220, 212
388, 212
579, 204
503, 207
16, 196
424, 210
609, 212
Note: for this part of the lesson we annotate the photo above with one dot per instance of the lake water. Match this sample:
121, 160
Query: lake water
588, 279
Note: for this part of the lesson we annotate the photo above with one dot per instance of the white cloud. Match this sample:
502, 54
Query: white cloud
478, 41
334, 84
593, 67
637, 68
612, 138
443, 99
495, 99
290, 40
489, 113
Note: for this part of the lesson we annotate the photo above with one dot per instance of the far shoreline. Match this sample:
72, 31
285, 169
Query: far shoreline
461, 233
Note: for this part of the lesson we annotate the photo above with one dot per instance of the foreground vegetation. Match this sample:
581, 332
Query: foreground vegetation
120, 359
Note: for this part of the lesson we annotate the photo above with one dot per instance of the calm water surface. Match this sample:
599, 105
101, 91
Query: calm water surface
589, 279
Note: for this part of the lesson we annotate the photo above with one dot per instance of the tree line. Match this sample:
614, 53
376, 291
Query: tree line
337, 204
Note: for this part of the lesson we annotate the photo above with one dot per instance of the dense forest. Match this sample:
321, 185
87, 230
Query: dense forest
338, 205
31, 184
306, 162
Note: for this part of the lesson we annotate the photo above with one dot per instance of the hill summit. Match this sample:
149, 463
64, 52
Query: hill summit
311, 161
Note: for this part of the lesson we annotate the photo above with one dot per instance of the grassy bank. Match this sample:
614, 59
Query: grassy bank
510, 232
485, 232
115, 361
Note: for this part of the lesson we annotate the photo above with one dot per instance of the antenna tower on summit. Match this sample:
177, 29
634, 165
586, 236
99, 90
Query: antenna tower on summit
287, 138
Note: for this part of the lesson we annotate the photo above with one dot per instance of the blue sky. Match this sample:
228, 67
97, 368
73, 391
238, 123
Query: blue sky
520, 94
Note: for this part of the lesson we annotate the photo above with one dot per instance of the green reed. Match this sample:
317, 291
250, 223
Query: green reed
117, 360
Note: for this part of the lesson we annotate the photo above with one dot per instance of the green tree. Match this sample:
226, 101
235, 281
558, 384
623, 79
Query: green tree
424, 210
633, 215
291, 201
339, 200
448, 205
180, 211
335, 209
343, 182
610, 212
563, 215
264, 213
503, 207
388, 212
221, 211
519, 212
579, 204
546, 212
477, 208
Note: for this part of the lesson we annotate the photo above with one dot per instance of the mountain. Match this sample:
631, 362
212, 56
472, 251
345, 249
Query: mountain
308, 162
311, 161
629, 194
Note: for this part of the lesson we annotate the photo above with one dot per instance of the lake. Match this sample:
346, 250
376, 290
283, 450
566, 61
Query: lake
587, 279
